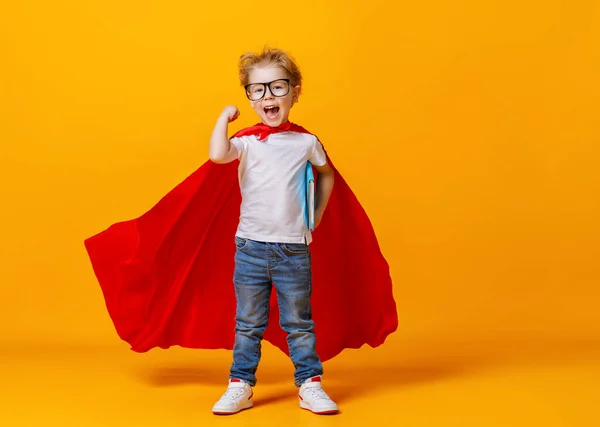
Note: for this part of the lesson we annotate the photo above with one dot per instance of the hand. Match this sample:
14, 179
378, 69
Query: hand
231, 112
318, 217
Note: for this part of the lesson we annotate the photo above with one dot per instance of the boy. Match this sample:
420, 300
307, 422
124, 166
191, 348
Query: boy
166, 275
272, 240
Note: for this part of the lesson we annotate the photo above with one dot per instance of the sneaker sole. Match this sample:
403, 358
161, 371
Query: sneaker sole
247, 405
305, 406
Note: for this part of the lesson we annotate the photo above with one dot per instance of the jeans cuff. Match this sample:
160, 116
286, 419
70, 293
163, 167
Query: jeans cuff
250, 382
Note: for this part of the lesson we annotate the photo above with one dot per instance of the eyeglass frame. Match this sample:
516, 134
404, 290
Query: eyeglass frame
268, 84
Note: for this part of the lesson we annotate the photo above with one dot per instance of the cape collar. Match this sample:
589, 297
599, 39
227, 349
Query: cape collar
261, 130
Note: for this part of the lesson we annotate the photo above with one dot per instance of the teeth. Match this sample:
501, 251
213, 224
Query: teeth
270, 107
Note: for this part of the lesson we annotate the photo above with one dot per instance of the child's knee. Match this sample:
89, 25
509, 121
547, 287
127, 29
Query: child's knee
296, 317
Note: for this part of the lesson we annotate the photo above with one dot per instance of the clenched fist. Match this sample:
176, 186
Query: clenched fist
231, 112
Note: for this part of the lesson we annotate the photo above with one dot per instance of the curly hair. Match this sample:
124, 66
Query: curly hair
269, 56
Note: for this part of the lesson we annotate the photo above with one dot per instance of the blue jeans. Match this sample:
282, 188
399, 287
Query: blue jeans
258, 266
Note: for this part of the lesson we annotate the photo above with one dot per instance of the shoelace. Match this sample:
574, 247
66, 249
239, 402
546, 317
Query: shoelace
233, 393
317, 393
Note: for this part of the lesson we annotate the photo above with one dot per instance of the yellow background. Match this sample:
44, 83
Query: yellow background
467, 129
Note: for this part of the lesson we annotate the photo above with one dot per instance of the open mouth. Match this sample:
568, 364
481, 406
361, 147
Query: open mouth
271, 111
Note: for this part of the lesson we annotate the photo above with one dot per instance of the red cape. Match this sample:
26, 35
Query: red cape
167, 276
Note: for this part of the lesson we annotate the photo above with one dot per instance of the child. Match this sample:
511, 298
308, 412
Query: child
166, 276
272, 240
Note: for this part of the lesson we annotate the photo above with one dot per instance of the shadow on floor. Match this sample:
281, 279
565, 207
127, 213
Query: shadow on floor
365, 378
357, 374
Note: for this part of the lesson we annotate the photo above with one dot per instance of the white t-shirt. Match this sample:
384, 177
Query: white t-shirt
272, 175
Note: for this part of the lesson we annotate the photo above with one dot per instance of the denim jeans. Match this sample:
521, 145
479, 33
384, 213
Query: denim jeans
258, 266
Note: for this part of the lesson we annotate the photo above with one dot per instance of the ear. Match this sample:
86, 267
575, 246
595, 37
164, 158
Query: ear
296, 93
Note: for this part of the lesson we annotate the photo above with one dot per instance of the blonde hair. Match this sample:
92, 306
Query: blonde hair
268, 56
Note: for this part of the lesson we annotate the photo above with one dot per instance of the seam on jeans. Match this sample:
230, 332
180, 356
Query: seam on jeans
287, 248
268, 263
309, 305
244, 246
280, 311
268, 311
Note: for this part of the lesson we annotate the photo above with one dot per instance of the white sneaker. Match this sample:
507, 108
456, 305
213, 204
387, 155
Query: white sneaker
238, 396
313, 397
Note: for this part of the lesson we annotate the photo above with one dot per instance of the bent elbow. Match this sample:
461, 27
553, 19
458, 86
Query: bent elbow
217, 157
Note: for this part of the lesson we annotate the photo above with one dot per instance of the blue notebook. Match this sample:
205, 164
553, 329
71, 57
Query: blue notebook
310, 189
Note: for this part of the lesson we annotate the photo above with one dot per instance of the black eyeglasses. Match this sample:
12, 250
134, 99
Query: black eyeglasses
278, 88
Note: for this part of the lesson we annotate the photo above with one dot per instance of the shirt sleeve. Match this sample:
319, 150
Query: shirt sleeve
318, 157
240, 144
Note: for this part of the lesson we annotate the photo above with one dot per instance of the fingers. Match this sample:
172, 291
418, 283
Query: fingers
231, 112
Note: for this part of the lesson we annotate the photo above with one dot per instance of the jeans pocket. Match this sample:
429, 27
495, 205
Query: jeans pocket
241, 243
295, 248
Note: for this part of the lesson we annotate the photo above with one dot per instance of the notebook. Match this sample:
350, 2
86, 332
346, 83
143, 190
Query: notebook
310, 197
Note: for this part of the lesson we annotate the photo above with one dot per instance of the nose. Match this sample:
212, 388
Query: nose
268, 94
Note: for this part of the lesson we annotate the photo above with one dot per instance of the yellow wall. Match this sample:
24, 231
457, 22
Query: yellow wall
468, 130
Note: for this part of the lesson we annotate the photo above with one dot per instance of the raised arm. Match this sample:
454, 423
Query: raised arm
221, 149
